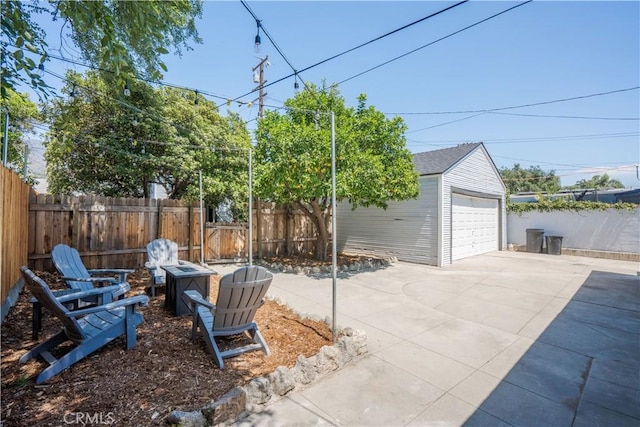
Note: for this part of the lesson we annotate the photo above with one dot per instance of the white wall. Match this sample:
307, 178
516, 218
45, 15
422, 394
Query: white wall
611, 230
407, 230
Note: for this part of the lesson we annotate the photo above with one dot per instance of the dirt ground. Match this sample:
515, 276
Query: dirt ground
140, 387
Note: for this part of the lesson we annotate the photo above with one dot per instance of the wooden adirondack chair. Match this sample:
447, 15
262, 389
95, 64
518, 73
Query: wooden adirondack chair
240, 295
68, 263
89, 329
160, 252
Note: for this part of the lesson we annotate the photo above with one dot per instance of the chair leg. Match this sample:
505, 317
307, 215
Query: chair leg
49, 344
36, 320
214, 350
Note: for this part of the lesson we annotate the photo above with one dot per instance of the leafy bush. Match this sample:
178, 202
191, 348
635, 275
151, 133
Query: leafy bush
546, 205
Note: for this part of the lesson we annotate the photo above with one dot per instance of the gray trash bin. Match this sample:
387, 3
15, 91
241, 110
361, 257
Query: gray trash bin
554, 245
534, 240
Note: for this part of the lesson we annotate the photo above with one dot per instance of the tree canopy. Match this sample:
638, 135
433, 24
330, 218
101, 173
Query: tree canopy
532, 179
101, 142
598, 181
124, 37
293, 157
22, 113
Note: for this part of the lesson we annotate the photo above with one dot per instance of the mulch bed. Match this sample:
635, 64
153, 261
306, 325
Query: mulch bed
140, 387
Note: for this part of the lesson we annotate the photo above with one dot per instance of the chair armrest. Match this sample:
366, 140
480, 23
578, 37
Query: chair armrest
137, 300
195, 298
91, 279
111, 271
122, 272
83, 294
150, 267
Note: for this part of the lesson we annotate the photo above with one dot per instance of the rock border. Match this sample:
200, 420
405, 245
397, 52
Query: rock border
241, 401
366, 264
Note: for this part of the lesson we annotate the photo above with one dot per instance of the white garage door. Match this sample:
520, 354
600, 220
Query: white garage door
474, 226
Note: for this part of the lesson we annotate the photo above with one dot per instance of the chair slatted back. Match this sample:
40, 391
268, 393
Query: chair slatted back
45, 297
162, 252
240, 295
68, 263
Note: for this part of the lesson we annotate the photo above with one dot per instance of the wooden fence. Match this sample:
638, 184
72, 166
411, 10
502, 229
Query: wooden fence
109, 232
14, 208
277, 231
114, 232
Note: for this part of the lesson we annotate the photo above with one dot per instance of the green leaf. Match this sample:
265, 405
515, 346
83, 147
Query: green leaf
19, 41
18, 54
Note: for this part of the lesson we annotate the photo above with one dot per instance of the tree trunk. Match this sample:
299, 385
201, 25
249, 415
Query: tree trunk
318, 216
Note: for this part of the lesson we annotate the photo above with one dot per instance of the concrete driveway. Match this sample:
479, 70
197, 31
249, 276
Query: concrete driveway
506, 338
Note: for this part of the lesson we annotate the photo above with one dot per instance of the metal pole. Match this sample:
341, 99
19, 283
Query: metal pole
25, 168
5, 144
250, 208
201, 223
334, 255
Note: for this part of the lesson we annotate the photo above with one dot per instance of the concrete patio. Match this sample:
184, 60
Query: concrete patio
507, 338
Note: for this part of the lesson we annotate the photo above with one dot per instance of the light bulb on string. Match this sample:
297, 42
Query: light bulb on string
296, 86
73, 91
135, 120
195, 102
257, 40
41, 69
126, 91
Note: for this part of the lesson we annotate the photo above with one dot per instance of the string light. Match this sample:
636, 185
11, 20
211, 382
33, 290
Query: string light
73, 91
135, 119
126, 91
257, 40
195, 102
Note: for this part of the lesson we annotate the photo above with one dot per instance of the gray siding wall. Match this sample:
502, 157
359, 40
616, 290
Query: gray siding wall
407, 230
474, 173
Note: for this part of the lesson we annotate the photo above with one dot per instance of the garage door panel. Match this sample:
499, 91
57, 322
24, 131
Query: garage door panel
475, 225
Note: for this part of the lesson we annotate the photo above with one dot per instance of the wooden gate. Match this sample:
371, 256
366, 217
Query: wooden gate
226, 242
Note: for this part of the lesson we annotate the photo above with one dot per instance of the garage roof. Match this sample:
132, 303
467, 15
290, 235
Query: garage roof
439, 161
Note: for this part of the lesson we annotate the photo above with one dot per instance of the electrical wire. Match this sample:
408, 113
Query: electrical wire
533, 139
431, 43
534, 104
563, 117
297, 72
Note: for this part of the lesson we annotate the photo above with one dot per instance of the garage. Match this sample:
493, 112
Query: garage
460, 212
474, 225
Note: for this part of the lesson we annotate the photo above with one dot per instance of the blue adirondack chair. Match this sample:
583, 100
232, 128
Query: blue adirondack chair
89, 329
68, 263
240, 295
160, 252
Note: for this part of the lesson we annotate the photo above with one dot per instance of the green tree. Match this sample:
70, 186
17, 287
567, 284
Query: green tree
22, 113
293, 157
532, 179
101, 142
123, 36
598, 181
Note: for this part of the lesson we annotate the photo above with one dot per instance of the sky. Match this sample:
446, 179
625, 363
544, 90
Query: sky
541, 51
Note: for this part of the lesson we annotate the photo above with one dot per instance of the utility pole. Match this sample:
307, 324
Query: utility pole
258, 77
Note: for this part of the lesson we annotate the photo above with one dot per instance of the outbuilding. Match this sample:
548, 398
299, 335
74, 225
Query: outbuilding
459, 213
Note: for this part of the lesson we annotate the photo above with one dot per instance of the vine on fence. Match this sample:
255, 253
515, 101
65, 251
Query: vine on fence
546, 205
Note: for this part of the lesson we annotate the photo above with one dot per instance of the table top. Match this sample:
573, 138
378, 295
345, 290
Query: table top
187, 270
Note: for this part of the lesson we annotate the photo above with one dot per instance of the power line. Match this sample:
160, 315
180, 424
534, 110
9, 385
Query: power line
487, 110
564, 117
431, 43
526, 140
297, 72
